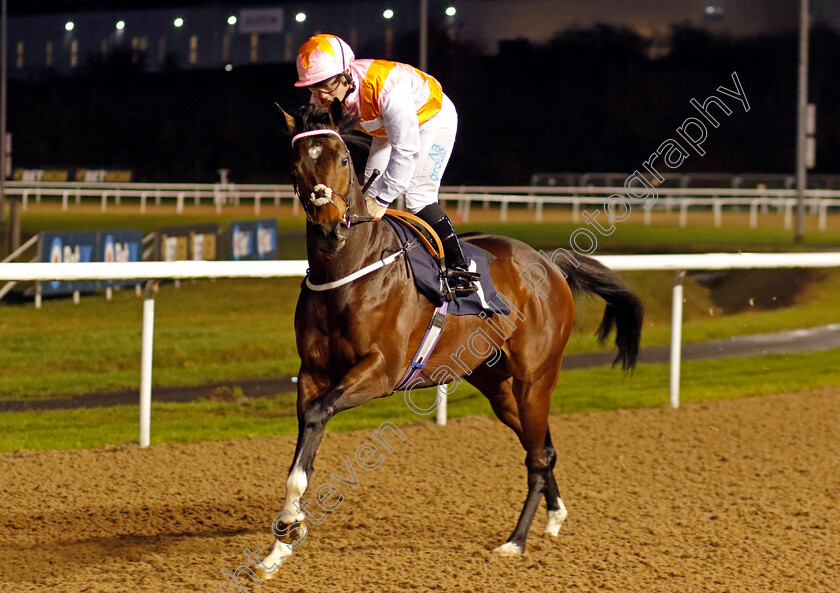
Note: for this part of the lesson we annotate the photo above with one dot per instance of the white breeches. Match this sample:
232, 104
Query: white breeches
437, 137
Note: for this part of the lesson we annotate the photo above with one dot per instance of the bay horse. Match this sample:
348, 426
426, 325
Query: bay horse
356, 340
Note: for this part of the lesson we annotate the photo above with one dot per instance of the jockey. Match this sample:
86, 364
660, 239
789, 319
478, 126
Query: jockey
413, 125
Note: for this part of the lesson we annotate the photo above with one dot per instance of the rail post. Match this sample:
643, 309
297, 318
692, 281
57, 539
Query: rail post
676, 336
440, 417
684, 203
754, 213
146, 363
13, 236
789, 213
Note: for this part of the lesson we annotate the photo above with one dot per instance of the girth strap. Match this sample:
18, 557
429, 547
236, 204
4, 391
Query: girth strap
427, 346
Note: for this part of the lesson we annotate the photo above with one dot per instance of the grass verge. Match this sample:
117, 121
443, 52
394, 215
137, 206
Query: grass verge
236, 329
584, 390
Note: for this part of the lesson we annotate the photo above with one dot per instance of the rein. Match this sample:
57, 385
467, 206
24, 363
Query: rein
349, 219
435, 327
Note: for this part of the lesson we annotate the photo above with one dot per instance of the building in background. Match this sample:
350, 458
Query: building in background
228, 35
199, 37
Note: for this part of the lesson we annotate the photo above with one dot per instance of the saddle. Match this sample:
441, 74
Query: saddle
424, 266
425, 269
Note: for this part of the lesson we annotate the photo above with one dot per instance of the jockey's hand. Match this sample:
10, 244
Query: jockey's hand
374, 209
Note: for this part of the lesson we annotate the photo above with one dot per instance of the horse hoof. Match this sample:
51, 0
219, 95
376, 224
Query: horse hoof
555, 521
509, 549
265, 576
273, 566
269, 568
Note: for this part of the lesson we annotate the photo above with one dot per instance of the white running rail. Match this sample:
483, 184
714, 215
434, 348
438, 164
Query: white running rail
535, 198
272, 269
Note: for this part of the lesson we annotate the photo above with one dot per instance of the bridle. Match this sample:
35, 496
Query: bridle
348, 219
328, 192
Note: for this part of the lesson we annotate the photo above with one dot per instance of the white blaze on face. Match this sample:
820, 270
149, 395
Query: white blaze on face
315, 152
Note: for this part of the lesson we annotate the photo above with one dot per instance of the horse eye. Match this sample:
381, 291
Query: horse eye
344, 162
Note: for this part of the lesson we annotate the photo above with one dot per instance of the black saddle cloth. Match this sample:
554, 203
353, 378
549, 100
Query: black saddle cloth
424, 270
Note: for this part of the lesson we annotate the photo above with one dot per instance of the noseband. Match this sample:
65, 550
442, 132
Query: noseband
328, 192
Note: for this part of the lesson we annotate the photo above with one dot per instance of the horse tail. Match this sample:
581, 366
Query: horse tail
624, 310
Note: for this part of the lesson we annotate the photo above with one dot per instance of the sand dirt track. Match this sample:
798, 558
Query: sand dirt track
740, 496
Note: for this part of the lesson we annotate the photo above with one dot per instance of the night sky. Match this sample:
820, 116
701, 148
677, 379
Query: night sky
526, 18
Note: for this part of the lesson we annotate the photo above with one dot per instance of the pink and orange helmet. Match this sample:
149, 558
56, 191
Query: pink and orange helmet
322, 57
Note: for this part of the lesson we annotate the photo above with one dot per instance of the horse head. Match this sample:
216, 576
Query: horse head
324, 178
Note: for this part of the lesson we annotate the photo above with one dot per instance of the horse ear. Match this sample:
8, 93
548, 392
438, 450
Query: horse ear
287, 122
336, 113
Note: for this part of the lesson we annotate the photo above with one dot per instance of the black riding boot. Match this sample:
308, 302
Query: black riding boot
459, 278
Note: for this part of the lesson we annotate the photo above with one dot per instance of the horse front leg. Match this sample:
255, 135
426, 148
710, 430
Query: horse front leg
364, 381
288, 527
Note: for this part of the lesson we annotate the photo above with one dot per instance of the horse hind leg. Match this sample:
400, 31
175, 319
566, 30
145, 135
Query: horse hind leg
532, 400
557, 512
498, 389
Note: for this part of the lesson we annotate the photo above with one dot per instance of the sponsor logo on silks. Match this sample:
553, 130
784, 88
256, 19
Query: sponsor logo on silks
266, 241
438, 155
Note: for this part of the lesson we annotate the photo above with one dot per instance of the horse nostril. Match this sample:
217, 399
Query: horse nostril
341, 231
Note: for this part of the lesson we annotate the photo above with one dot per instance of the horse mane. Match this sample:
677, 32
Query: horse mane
312, 116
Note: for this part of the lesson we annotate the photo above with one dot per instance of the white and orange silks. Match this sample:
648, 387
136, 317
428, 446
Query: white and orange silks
413, 124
